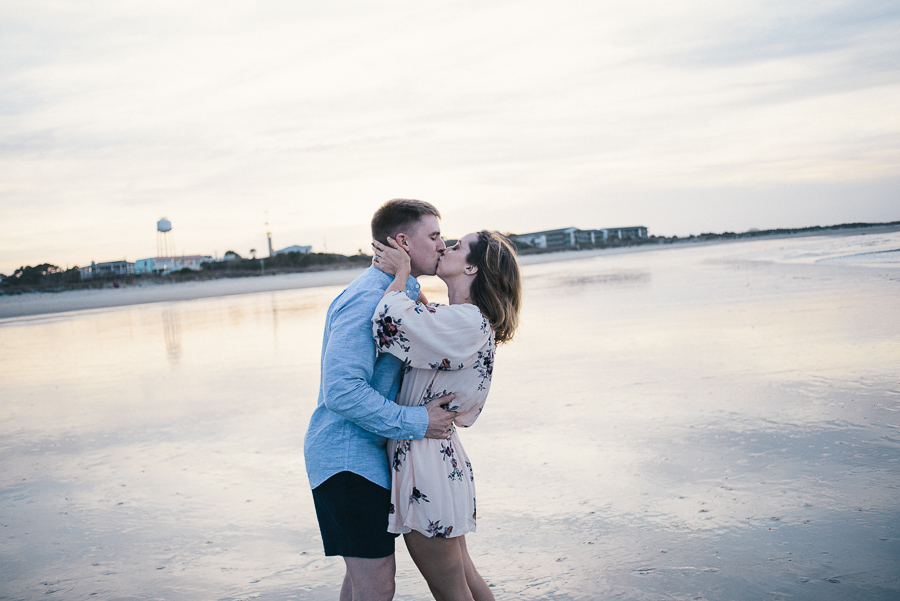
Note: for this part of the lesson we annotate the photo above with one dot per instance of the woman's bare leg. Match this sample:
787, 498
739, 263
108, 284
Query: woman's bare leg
441, 562
478, 587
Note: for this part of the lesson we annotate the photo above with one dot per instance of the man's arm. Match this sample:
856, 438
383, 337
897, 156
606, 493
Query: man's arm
348, 364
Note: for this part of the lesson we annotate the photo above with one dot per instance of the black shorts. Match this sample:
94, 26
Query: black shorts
353, 517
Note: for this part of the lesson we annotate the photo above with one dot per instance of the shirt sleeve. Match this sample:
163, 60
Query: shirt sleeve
348, 362
443, 337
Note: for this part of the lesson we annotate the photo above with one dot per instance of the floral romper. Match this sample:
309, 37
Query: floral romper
445, 348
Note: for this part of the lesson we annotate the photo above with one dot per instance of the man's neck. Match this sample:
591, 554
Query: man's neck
389, 275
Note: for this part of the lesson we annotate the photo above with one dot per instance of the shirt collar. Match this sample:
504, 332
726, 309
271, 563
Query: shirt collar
412, 284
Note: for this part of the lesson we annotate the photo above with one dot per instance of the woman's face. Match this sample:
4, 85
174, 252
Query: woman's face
453, 262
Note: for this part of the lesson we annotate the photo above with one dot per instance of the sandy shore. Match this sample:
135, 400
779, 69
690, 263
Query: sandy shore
42, 303
80, 300
706, 422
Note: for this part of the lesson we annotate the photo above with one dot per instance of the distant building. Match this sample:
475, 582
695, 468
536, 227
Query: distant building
112, 268
625, 233
303, 250
588, 237
572, 236
547, 239
166, 265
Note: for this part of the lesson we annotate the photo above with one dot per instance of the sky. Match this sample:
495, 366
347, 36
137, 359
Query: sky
684, 117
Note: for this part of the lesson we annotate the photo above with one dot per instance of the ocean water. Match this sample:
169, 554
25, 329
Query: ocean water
693, 422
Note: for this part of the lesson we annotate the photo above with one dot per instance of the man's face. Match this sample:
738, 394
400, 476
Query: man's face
424, 243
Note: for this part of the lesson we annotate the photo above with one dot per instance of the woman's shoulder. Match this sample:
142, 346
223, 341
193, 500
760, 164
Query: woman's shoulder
466, 311
472, 319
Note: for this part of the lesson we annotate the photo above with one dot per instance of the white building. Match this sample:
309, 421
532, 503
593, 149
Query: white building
303, 250
625, 233
572, 236
166, 265
111, 268
548, 238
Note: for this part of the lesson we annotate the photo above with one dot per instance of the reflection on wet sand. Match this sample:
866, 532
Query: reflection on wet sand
172, 333
691, 423
628, 277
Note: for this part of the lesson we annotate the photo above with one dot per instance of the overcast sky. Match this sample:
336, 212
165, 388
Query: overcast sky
684, 117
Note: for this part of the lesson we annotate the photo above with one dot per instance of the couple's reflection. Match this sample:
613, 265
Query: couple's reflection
172, 333
171, 317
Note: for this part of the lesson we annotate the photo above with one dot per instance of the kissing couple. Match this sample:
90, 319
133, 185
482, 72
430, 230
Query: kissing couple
398, 376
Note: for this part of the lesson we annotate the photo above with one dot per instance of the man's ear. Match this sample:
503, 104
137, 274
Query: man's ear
403, 241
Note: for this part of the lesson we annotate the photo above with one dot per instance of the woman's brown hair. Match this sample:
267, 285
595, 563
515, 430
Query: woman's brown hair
497, 288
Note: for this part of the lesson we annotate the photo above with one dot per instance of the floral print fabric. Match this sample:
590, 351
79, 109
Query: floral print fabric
445, 348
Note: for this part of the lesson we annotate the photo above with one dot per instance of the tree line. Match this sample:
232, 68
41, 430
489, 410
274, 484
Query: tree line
285, 262
43, 274
50, 278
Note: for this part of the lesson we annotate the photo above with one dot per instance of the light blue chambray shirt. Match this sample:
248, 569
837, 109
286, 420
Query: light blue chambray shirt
356, 412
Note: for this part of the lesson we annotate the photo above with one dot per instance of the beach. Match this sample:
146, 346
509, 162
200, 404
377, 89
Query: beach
146, 292
695, 421
158, 292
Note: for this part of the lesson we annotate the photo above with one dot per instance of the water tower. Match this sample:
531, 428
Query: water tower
165, 246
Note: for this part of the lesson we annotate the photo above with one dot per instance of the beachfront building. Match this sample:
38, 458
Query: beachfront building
625, 233
303, 250
165, 265
572, 236
548, 239
108, 269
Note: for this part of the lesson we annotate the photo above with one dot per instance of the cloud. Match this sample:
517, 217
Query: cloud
214, 113
776, 30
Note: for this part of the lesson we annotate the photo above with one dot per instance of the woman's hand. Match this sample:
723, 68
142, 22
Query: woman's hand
390, 259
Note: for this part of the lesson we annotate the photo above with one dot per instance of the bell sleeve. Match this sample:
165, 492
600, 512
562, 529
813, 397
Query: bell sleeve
441, 337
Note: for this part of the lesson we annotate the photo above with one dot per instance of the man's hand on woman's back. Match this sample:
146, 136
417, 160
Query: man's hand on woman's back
439, 419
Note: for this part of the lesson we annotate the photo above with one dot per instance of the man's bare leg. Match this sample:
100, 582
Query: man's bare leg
347, 587
369, 579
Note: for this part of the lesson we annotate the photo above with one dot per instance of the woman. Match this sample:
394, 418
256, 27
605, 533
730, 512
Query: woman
445, 348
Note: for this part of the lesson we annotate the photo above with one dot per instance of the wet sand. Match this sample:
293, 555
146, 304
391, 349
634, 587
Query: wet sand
694, 422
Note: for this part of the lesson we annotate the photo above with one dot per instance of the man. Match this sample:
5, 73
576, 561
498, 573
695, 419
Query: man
345, 444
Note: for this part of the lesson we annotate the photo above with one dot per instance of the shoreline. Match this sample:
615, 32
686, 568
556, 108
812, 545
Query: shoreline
569, 254
43, 303
67, 301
